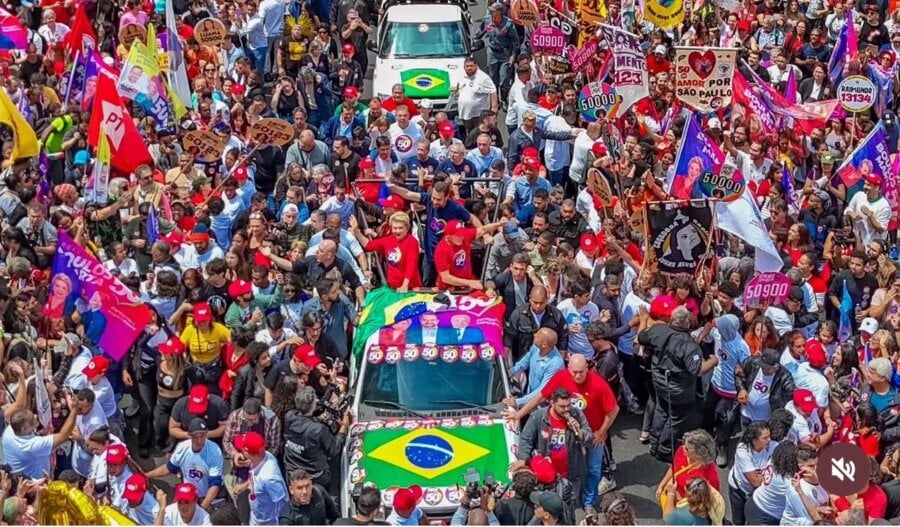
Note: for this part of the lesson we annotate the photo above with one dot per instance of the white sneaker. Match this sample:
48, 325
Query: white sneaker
606, 485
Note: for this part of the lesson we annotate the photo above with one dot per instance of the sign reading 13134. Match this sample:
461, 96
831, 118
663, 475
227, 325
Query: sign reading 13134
856, 93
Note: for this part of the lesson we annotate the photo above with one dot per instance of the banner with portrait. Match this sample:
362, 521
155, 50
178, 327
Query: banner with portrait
680, 237
703, 77
871, 156
107, 307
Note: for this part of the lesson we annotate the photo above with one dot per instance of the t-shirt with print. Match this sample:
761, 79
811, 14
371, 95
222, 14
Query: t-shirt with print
457, 260
559, 453
749, 460
594, 397
578, 319
436, 219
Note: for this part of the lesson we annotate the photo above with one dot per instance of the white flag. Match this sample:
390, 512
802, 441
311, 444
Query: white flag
741, 217
178, 79
42, 397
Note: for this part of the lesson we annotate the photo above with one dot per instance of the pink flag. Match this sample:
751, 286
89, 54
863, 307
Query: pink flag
790, 87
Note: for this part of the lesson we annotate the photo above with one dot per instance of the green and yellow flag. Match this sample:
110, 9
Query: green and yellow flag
430, 83
385, 306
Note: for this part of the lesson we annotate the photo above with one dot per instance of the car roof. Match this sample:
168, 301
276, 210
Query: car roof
417, 13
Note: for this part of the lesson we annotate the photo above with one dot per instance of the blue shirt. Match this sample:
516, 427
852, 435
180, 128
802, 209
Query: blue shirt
540, 370
525, 190
483, 162
268, 492
436, 219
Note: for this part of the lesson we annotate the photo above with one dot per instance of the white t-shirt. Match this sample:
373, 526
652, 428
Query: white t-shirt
748, 460
404, 141
578, 320
770, 497
28, 455
862, 227
173, 517
803, 427
198, 467
812, 380
475, 94
749, 168
757, 407
794, 511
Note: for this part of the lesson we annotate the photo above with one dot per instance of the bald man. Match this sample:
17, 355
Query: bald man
319, 265
591, 394
541, 362
521, 327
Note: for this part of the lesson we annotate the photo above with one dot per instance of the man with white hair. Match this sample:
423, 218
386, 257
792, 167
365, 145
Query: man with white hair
677, 361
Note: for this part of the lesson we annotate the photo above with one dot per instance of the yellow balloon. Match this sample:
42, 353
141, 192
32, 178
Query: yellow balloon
111, 516
84, 509
63, 504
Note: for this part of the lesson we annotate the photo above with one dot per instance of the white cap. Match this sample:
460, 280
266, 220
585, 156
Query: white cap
426, 103
660, 49
868, 325
714, 123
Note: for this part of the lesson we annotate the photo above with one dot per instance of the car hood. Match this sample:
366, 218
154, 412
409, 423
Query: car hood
429, 78
431, 453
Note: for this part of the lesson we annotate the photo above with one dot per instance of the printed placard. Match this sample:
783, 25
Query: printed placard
703, 77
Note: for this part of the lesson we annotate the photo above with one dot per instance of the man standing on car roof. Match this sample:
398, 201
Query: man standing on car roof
502, 40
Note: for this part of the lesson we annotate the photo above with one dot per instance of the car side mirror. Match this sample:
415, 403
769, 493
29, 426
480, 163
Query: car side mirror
372, 46
477, 45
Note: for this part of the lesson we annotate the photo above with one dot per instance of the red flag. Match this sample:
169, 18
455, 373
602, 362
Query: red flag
82, 35
126, 146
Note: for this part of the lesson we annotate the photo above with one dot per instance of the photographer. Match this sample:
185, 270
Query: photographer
516, 509
483, 514
308, 443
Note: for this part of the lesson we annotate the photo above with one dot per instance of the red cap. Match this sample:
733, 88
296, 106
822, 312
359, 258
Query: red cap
543, 470
175, 239
261, 260
251, 442
202, 313
306, 355
815, 353
238, 89
532, 162
173, 346
239, 288
392, 202
446, 129
588, 242
198, 399
351, 92
805, 401
99, 365
135, 487
530, 151
874, 179
744, 25
348, 49
599, 149
407, 499
453, 227
367, 162
240, 174
662, 307
116, 454
185, 492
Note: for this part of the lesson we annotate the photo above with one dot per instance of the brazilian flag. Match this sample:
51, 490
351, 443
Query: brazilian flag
429, 83
384, 307
433, 457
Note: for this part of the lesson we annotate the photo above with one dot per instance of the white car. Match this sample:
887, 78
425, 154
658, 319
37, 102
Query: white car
422, 45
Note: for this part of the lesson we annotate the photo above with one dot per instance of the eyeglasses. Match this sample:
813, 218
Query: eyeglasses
144, 179
210, 70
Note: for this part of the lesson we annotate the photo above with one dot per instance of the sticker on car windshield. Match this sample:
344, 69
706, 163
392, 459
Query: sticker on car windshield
450, 354
392, 356
423, 28
488, 352
411, 353
469, 355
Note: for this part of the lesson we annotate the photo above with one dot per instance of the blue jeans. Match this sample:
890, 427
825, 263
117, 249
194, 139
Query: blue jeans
595, 468
258, 59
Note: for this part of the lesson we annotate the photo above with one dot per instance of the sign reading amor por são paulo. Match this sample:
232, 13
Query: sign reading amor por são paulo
856, 93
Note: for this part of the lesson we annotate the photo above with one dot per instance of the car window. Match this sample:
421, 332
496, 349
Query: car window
417, 39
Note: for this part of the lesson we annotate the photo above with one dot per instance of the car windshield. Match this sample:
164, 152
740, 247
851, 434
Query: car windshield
423, 40
423, 385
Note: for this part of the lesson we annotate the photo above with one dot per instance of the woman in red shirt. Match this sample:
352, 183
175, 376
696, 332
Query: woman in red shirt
399, 250
696, 458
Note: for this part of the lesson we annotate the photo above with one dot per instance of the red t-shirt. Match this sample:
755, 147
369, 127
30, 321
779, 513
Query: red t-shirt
559, 454
401, 259
594, 397
874, 499
457, 260
708, 472
390, 105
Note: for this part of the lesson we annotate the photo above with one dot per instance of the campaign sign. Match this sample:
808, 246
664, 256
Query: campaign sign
582, 56
703, 77
548, 39
597, 97
856, 93
725, 183
766, 289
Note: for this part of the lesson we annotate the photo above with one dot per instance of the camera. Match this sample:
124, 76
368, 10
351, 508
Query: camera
475, 487
331, 412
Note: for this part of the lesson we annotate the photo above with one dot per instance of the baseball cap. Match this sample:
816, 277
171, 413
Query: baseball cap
116, 454
240, 174
827, 158
599, 149
348, 48
172, 346
198, 399
351, 92
82, 157
392, 202
588, 242
804, 400
239, 288
98, 365
511, 230
868, 325
175, 239
202, 312
447, 129
769, 357
660, 49
185, 492
197, 425
252, 442
238, 89
549, 501
453, 227
306, 355
531, 162
714, 124
543, 470
367, 162
68, 338
874, 179
815, 354
662, 307
407, 498
135, 487
796, 294
200, 233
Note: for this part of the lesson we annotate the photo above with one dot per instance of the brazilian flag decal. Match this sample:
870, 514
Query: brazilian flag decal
433, 457
430, 83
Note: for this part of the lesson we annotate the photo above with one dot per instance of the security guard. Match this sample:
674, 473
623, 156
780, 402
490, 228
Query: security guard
524, 323
502, 41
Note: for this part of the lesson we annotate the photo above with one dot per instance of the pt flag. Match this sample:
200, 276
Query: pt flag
25, 141
82, 36
703, 77
126, 146
124, 314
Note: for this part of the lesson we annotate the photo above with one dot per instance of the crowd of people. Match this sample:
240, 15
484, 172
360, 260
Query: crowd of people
255, 265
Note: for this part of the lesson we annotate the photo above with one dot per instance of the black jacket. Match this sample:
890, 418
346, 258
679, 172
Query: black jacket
244, 385
506, 289
310, 445
675, 362
535, 439
570, 231
616, 326
321, 510
780, 393
521, 327
514, 511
